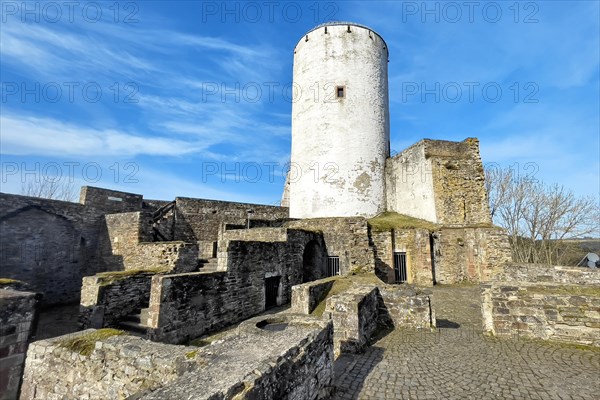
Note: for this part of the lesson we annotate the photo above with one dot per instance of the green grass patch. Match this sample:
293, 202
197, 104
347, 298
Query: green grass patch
191, 354
342, 284
8, 281
392, 220
85, 344
567, 290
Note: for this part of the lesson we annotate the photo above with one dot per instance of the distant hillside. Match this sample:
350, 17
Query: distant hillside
575, 249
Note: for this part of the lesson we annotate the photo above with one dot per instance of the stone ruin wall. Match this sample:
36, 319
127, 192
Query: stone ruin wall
544, 302
439, 181
131, 246
460, 254
359, 312
469, 254
50, 244
293, 364
347, 238
18, 320
416, 244
458, 182
200, 220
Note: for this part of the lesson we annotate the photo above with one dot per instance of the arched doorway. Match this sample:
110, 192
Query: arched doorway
313, 262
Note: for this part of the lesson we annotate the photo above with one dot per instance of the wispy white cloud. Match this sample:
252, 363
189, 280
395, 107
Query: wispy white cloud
23, 135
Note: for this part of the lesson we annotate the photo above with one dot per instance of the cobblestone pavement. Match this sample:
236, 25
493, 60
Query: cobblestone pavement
458, 362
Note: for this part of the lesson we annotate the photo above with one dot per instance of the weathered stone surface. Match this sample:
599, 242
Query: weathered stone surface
439, 181
295, 363
307, 296
107, 298
355, 316
185, 306
347, 238
18, 319
546, 302
469, 253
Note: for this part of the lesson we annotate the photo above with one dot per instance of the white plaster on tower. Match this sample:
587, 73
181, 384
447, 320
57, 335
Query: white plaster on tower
340, 123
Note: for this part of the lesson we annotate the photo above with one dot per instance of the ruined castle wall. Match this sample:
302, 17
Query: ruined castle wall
406, 307
263, 365
439, 181
569, 313
355, 316
543, 273
108, 297
409, 184
50, 245
255, 234
346, 238
469, 254
545, 302
307, 296
18, 318
118, 367
130, 247
458, 182
199, 219
415, 243
185, 306
110, 201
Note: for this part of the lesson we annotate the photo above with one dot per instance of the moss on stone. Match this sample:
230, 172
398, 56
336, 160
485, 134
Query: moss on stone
8, 281
392, 220
85, 344
191, 354
565, 290
342, 284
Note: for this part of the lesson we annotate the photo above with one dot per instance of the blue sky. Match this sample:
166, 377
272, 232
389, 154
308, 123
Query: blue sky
190, 98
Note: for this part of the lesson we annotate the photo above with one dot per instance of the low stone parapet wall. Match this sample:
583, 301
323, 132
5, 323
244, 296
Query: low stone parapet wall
100, 364
544, 273
256, 234
569, 313
307, 296
294, 362
407, 307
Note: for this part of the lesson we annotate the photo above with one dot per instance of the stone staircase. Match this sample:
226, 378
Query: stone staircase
207, 265
135, 323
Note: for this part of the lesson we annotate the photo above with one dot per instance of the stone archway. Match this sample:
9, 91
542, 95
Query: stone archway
313, 262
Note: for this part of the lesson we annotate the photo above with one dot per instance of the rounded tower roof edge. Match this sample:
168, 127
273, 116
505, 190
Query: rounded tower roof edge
337, 23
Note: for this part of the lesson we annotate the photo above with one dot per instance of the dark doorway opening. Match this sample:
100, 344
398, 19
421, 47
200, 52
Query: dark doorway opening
400, 266
313, 262
271, 291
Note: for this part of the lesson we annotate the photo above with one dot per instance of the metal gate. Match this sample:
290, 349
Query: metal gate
271, 291
400, 266
333, 265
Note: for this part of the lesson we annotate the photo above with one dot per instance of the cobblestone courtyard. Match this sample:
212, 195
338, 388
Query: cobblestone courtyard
458, 362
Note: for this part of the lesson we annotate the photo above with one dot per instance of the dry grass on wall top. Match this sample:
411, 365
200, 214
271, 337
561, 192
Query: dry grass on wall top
7, 281
392, 220
85, 344
342, 284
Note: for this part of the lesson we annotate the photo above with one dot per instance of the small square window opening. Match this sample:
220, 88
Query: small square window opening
340, 92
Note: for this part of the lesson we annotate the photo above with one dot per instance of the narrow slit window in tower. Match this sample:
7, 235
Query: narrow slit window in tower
340, 92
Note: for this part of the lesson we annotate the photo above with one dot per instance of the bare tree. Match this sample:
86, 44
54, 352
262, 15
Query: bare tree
49, 187
538, 217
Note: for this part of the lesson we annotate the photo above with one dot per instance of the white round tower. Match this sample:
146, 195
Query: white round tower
340, 123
